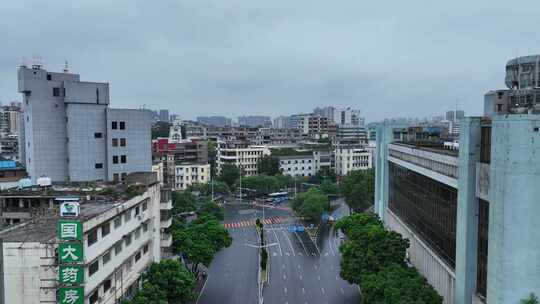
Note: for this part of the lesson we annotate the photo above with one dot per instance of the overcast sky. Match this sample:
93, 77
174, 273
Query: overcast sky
236, 57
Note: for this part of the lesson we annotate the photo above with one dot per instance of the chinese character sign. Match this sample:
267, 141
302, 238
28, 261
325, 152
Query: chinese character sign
71, 274
71, 295
69, 230
70, 253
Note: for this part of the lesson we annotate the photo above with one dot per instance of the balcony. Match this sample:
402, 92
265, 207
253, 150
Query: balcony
165, 205
166, 222
166, 240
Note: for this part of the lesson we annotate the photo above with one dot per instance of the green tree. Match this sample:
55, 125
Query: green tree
212, 156
398, 284
532, 299
148, 294
206, 189
160, 129
171, 277
229, 174
310, 204
358, 187
183, 202
211, 208
329, 188
262, 184
200, 240
268, 165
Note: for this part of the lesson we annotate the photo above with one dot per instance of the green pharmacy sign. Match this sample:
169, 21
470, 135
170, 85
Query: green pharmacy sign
71, 295
70, 274
69, 230
70, 253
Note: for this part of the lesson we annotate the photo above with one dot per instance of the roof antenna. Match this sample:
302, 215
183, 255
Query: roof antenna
66, 68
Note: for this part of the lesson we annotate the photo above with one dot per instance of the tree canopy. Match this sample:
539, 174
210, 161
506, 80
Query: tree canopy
183, 202
358, 187
268, 165
171, 277
206, 189
149, 293
329, 188
211, 208
311, 204
229, 174
374, 258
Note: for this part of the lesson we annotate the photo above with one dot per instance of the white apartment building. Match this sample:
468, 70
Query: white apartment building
69, 132
298, 165
244, 158
349, 159
189, 174
117, 238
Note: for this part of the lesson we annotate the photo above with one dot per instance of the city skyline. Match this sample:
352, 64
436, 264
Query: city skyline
276, 56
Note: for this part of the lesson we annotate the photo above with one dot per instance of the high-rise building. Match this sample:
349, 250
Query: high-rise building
327, 112
471, 214
164, 115
348, 116
254, 121
71, 133
216, 121
282, 122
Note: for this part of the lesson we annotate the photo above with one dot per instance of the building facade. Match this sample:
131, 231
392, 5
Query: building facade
351, 158
298, 165
189, 174
469, 214
118, 240
245, 158
71, 134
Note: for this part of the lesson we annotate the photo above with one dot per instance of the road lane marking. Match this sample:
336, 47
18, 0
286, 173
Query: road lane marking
285, 277
279, 245
315, 266
283, 266
285, 289
290, 243
322, 290
342, 291
303, 290
303, 246
319, 278
301, 277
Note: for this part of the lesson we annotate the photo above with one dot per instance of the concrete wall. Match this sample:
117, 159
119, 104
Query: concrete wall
438, 274
84, 150
514, 237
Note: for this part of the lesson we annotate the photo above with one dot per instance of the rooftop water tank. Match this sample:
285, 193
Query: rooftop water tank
44, 181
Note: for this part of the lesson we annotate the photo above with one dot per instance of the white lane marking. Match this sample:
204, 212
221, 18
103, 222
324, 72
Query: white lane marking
315, 266
202, 290
319, 278
322, 290
287, 254
337, 277
303, 246
285, 289
290, 243
298, 266
283, 266
274, 253
342, 291
330, 241
300, 254
303, 290
301, 277
277, 240
284, 277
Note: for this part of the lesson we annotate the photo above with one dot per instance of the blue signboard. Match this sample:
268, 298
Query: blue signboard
291, 228
300, 228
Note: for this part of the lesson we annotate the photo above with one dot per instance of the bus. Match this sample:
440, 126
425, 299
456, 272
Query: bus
278, 197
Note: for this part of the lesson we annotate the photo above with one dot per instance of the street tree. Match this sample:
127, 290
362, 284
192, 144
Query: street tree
358, 187
311, 204
171, 277
268, 165
329, 188
149, 293
211, 208
229, 174
183, 202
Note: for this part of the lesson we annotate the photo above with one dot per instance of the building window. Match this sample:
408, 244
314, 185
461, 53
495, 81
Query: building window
106, 257
114, 125
115, 142
483, 232
107, 285
94, 297
128, 239
123, 159
127, 216
98, 135
124, 175
137, 210
56, 92
122, 125
105, 229
49, 77
118, 222
118, 247
116, 177
122, 142
115, 159
92, 237
144, 206
145, 226
138, 233
98, 166
137, 256
145, 248
93, 268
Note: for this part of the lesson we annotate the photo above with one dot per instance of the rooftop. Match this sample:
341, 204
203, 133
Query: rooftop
435, 147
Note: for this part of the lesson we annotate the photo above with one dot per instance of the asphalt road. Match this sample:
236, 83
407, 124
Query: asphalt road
300, 271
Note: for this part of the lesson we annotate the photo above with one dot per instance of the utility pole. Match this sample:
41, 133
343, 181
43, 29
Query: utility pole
212, 185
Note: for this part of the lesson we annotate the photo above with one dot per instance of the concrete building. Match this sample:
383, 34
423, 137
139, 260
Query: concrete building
245, 158
71, 134
351, 158
470, 214
312, 124
217, 121
164, 115
282, 122
189, 174
11, 172
352, 132
327, 112
118, 239
348, 116
254, 121
298, 165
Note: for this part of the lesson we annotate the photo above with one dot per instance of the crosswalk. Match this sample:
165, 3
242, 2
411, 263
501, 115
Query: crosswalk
249, 223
